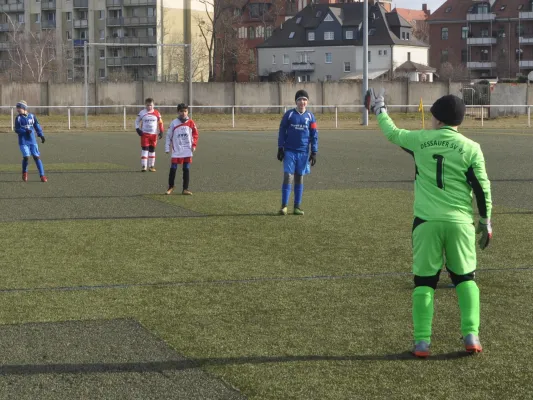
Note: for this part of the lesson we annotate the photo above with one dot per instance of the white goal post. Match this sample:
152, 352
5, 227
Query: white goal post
86, 75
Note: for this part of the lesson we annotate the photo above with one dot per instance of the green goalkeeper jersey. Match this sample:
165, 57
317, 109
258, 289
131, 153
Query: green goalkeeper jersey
449, 167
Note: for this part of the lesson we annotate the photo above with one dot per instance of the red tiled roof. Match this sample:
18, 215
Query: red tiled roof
411, 15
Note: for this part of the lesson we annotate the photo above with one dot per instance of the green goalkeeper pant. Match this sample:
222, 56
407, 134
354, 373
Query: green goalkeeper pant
434, 241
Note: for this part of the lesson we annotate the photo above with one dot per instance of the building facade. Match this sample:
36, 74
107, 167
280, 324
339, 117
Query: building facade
118, 23
324, 43
483, 38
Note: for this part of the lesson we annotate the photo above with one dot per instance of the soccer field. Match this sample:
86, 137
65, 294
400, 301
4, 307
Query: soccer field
112, 290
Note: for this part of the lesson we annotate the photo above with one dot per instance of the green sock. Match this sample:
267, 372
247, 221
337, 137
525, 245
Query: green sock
423, 312
468, 296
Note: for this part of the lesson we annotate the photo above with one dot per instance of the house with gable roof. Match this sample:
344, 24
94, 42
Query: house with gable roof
324, 42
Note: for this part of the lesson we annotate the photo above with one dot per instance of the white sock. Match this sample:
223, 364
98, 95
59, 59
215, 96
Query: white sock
144, 158
151, 159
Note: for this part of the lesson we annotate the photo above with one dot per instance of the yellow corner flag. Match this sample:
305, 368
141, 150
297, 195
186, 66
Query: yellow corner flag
421, 109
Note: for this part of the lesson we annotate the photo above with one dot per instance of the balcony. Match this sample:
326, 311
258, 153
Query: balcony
525, 15
81, 4
303, 66
139, 61
80, 23
139, 21
79, 42
128, 3
114, 21
5, 64
481, 41
485, 17
526, 64
12, 7
480, 65
48, 5
113, 3
525, 40
45, 24
9, 27
132, 40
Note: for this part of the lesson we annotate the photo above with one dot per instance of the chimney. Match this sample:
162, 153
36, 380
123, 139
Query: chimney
424, 7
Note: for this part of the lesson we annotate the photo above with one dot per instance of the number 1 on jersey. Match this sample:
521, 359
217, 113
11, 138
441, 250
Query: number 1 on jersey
440, 170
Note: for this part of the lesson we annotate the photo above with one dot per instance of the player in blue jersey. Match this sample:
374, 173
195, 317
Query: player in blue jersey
297, 133
26, 126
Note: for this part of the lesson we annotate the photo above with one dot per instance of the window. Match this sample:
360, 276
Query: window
318, 14
237, 12
37, 18
273, 59
251, 55
444, 56
67, 34
444, 33
503, 7
448, 10
518, 54
69, 73
298, 20
371, 31
329, 58
268, 32
328, 78
385, 52
152, 52
251, 32
82, 15
291, 35
101, 72
329, 36
464, 32
520, 6
133, 32
408, 56
407, 36
328, 18
403, 35
20, 18
470, 9
285, 59
519, 30
115, 53
464, 55
380, 52
310, 36
83, 34
101, 14
102, 34
242, 32
484, 55
260, 31
69, 16
484, 33
115, 13
347, 67
151, 32
102, 54
51, 16
151, 11
349, 35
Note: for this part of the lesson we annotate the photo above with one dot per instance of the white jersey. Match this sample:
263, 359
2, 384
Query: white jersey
182, 137
149, 122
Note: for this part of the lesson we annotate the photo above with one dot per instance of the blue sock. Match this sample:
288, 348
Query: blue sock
285, 194
40, 166
24, 165
298, 193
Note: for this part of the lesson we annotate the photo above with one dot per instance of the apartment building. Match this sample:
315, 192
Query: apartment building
489, 38
121, 23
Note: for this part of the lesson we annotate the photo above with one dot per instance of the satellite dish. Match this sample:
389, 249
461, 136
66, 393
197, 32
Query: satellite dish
530, 76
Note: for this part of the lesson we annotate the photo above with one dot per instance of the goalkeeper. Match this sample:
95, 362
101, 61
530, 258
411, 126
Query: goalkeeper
449, 167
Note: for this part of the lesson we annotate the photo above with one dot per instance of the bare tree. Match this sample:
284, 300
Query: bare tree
457, 72
176, 61
421, 31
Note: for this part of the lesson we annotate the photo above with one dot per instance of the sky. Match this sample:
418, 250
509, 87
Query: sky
417, 4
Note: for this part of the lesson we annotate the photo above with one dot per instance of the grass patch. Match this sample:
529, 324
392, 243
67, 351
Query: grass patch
300, 339
68, 167
260, 121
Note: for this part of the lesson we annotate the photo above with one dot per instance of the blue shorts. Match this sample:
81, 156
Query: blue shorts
296, 163
29, 150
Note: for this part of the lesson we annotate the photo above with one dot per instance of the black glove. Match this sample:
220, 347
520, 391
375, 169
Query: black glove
312, 159
281, 153
42, 139
139, 132
160, 136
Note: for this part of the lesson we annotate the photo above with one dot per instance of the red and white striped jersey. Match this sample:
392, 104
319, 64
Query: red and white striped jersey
182, 137
149, 122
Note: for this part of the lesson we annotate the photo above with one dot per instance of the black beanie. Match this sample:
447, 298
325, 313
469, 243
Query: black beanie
449, 110
300, 94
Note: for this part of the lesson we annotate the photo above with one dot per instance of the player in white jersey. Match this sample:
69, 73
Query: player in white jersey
149, 126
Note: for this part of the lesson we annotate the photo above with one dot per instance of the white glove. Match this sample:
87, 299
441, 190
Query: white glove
485, 228
374, 103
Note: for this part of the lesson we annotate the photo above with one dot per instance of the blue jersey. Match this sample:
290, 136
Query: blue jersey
25, 125
298, 131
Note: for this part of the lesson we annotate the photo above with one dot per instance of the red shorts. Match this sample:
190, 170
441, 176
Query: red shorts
181, 160
148, 139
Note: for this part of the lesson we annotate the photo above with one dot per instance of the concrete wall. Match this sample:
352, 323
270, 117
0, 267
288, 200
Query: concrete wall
229, 94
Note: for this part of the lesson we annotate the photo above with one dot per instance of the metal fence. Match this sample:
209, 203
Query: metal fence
260, 117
